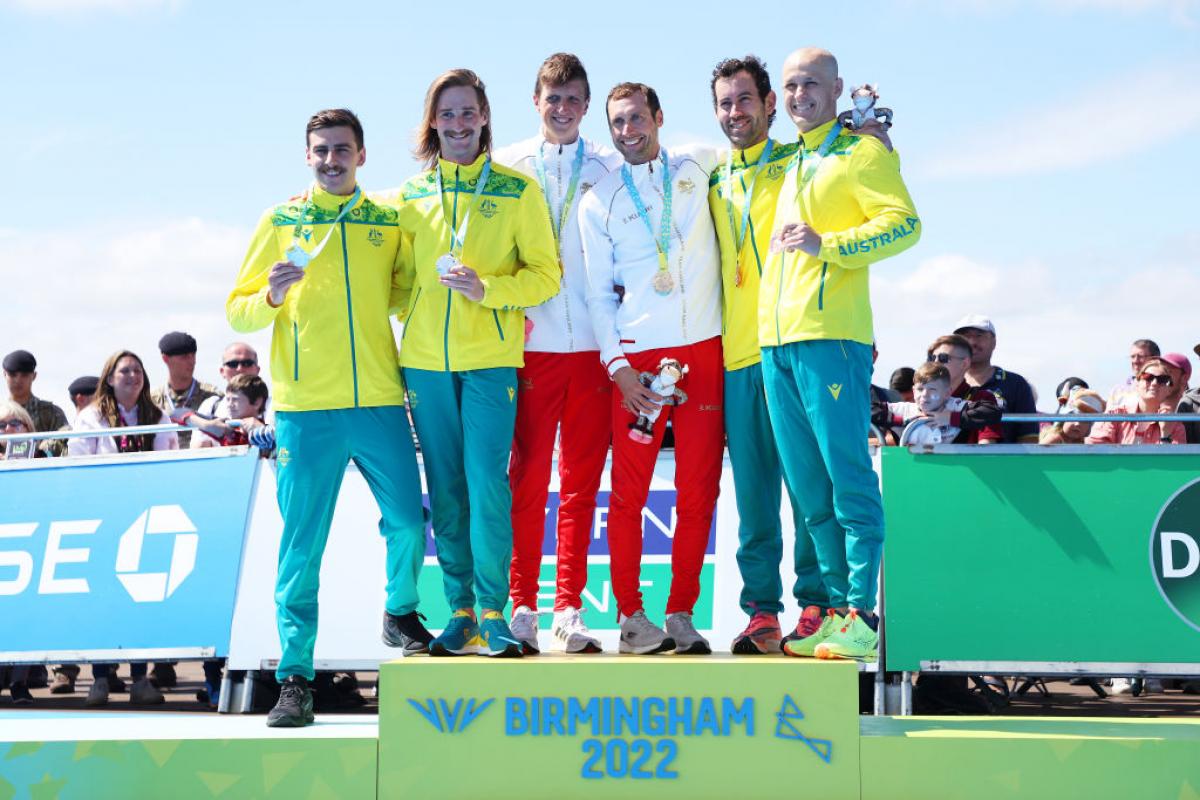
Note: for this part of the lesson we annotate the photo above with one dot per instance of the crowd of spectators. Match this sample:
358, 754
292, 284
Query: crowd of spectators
957, 393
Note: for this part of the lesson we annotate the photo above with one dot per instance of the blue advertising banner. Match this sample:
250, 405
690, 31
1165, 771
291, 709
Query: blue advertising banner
132, 555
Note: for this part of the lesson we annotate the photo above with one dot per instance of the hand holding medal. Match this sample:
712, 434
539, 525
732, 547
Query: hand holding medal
460, 278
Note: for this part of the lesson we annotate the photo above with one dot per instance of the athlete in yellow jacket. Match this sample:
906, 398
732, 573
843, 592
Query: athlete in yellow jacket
325, 269
482, 251
842, 207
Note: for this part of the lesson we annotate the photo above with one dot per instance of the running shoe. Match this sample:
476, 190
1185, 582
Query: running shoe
143, 692
688, 641
570, 631
855, 639
20, 694
524, 628
806, 645
406, 631
295, 706
460, 638
497, 638
642, 637
762, 635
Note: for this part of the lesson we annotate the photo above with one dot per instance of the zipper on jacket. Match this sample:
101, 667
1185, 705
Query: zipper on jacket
411, 311
295, 352
450, 292
821, 291
779, 299
499, 330
349, 313
563, 278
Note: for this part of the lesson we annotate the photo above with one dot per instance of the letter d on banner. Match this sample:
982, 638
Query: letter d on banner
1167, 540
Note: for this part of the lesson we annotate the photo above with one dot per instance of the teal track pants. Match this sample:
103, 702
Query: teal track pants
757, 486
465, 425
313, 450
818, 394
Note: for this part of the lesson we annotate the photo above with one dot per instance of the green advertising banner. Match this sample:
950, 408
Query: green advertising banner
1071, 559
616, 726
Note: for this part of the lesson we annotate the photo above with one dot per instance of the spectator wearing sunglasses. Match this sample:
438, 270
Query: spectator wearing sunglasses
1190, 404
983, 409
1158, 390
969, 416
238, 358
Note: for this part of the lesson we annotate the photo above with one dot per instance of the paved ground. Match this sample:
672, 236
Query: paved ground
1064, 700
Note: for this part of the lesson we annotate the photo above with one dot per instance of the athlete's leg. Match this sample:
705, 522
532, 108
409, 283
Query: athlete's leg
804, 468
586, 433
699, 426
311, 460
489, 411
542, 386
434, 398
381, 446
840, 421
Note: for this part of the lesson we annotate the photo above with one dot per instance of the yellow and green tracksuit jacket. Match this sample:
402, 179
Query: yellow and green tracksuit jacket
857, 201
739, 322
332, 345
510, 244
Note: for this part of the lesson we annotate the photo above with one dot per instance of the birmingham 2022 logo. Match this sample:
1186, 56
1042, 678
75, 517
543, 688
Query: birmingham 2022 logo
626, 737
1175, 553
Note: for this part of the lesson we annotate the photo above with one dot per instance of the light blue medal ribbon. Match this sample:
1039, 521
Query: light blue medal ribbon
559, 222
806, 167
297, 254
663, 283
739, 233
458, 238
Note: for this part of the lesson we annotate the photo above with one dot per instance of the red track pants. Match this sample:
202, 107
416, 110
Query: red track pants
699, 445
574, 389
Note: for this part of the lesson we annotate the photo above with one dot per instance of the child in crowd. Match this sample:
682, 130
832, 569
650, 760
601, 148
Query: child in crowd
951, 419
246, 398
1079, 400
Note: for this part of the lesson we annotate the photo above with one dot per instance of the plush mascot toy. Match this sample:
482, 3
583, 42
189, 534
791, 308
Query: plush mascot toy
670, 372
864, 98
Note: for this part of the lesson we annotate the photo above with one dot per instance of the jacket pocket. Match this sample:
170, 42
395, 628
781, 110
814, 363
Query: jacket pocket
821, 289
411, 313
295, 352
499, 328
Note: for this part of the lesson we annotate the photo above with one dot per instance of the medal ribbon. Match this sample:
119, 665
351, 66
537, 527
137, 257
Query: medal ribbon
558, 223
806, 171
458, 238
739, 233
662, 242
354, 198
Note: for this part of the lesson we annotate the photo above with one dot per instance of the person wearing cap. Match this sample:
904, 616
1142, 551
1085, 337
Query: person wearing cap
1012, 391
181, 390
1063, 391
20, 371
1160, 385
901, 383
1078, 399
323, 271
82, 390
1190, 404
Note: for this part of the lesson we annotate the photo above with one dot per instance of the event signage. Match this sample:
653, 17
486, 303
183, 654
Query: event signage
127, 554
608, 726
1175, 553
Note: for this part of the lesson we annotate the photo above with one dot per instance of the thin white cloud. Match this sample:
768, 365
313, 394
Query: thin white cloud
1075, 131
71, 6
1052, 320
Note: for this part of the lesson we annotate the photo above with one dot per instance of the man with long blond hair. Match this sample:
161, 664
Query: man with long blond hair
482, 252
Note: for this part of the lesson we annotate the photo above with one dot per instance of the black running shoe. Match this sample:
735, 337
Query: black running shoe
406, 631
295, 706
164, 676
20, 694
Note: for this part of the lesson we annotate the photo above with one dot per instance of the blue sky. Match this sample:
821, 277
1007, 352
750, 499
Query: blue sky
1047, 145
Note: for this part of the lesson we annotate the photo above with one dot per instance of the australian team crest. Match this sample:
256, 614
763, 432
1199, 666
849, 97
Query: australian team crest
375, 237
775, 170
488, 208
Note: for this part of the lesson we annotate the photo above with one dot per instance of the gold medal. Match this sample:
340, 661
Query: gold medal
664, 284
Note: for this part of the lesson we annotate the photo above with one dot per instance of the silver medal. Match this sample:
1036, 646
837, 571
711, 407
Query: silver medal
445, 263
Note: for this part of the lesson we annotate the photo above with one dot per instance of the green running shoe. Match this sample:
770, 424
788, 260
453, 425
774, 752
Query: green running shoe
496, 638
855, 639
460, 638
806, 647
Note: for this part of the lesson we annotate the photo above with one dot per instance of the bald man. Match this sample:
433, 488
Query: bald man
843, 206
238, 358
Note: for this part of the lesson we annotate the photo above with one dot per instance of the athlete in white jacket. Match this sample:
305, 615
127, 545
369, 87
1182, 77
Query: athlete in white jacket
654, 292
562, 382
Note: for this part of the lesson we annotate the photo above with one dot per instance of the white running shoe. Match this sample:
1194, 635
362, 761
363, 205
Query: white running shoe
688, 640
524, 627
571, 632
642, 637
